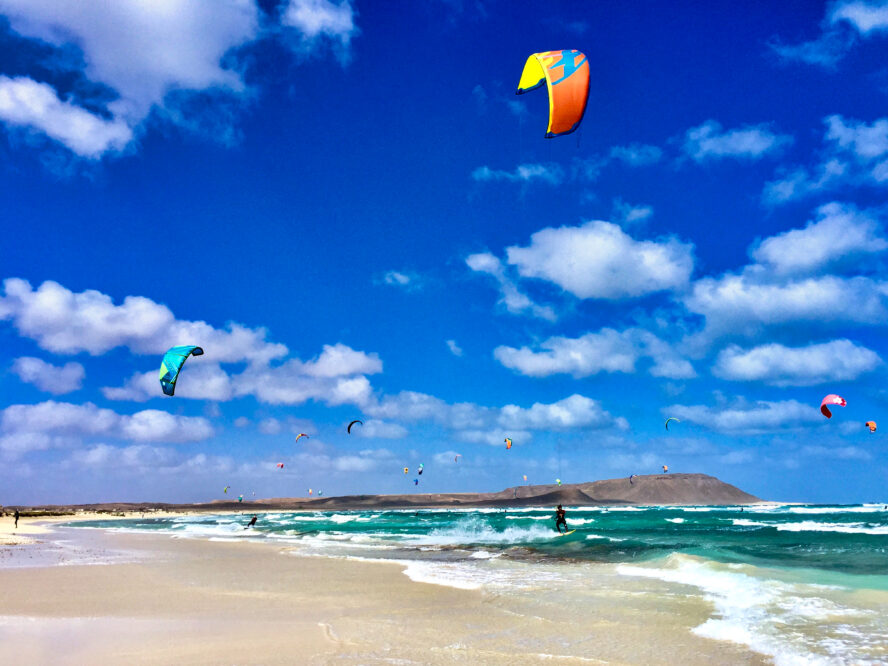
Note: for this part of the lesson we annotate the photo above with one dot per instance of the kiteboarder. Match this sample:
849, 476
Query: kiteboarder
16, 516
559, 519
252, 522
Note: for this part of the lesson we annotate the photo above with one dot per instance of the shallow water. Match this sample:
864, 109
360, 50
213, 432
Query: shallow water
802, 584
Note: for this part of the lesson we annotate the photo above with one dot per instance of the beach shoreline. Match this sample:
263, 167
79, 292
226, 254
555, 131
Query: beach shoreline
157, 599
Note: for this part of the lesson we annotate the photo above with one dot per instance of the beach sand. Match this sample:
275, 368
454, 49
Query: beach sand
82, 596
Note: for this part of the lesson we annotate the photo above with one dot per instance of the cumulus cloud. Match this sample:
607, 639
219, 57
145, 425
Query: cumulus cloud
140, 57
514, 300
838, 360
709, 141
65, 322
376, 428
523, 173
575, 411
48, 377
200, 380
139, 51
26, 103
749, 418
839, 232
605, 351
476, 423
335, 376
855, 153
29, 427
745, 304
316, 20
599, 260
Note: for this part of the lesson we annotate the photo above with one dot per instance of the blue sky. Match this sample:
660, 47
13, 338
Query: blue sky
349, 209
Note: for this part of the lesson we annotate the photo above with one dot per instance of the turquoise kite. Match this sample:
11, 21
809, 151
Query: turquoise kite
172, 364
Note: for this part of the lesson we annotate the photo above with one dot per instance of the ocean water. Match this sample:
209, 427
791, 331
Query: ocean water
801, 584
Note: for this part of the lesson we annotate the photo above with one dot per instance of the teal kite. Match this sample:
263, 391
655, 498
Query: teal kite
172, 364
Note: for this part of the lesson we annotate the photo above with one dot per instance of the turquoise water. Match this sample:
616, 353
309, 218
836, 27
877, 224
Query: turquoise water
832, 539
803, 584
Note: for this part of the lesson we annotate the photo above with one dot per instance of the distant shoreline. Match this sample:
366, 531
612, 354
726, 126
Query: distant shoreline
646, 490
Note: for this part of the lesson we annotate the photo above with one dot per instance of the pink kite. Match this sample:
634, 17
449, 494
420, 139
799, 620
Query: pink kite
831, 399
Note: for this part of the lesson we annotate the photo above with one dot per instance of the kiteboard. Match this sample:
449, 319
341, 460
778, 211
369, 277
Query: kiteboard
566, 533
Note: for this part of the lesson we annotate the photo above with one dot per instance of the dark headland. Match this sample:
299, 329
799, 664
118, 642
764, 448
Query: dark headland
691, 489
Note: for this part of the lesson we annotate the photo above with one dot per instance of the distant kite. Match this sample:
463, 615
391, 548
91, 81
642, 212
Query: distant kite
352, 423
871, 425
831, 399
566, 75
508, 443
671, 418
665, 469
419, 469
457, 457
280, 465
558, 481
172, 363
301, 434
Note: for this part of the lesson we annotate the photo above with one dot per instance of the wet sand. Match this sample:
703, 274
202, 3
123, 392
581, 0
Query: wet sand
77, 596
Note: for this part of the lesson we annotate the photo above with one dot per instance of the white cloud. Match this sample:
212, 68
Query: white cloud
454, 348
575, 411
30, 104
839, 232
710, 142
749, 418
241, 422
381, 429
606, 351
339, 360
512, 298
744, 304
199, 380
523, 173
637, 154
63, 322
839, 360
141, 51
144, 56
48, 377
322, 19
153, 425
30, 427
855, 153
599, 260
865, 17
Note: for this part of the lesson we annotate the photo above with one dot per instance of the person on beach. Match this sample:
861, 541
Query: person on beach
560, 520
252, 522
16, 516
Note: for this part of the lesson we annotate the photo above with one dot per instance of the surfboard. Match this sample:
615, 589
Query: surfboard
566, 533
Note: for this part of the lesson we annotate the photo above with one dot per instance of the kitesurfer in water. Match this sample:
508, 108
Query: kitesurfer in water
559, 519
252, 522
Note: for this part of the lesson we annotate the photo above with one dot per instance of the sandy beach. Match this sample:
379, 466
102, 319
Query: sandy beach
73, 595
